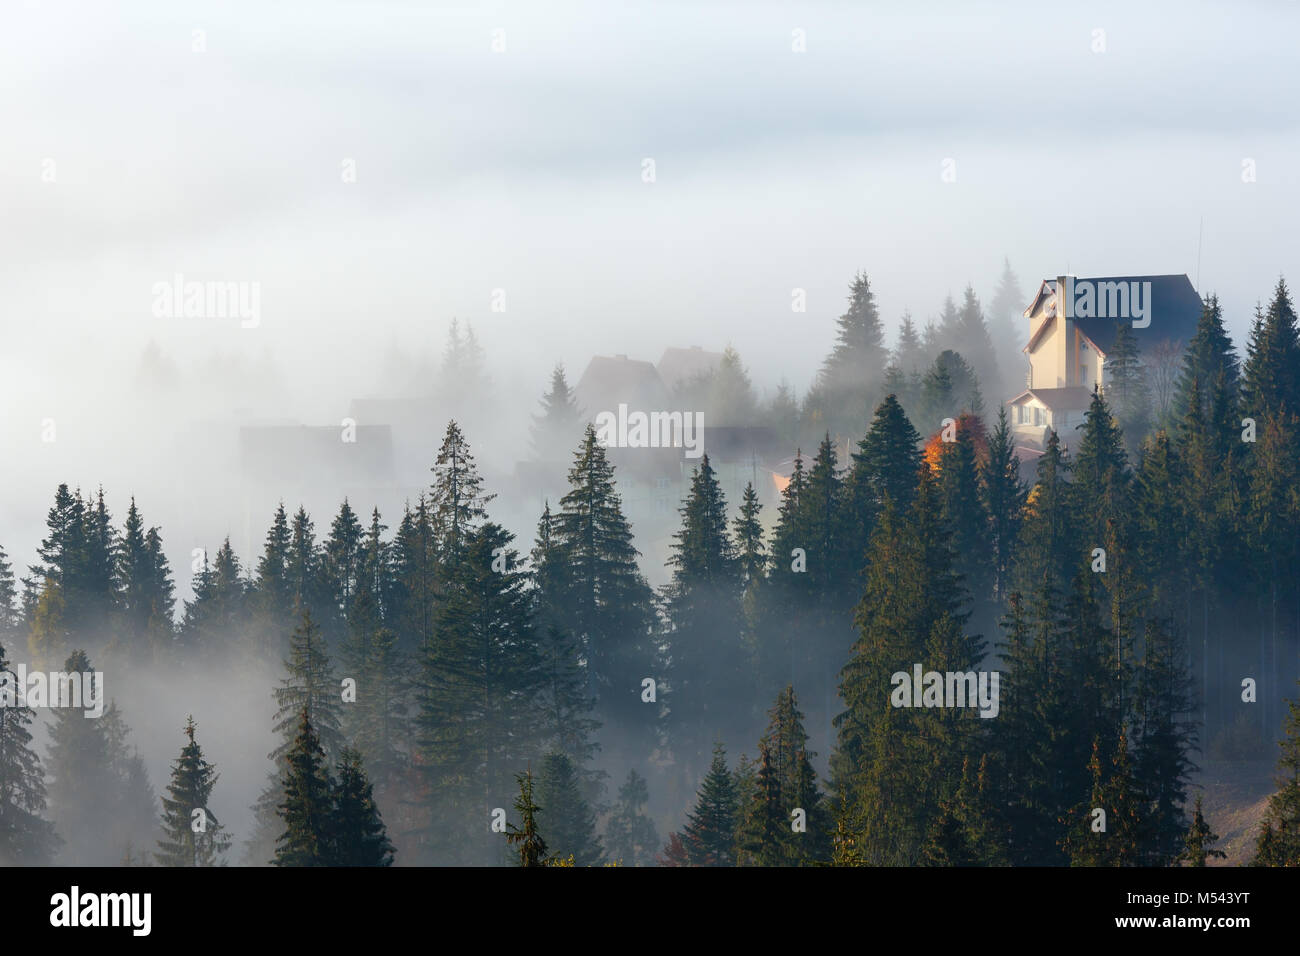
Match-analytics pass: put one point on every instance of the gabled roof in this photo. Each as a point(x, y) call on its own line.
point(1175, 310)
point(1068, 398)
point(608, 381)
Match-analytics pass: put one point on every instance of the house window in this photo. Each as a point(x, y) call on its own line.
point(1038, 416)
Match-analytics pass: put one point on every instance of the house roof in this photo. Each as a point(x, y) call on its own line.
point(1064, 399)
point(610, 380)
point(677, 365)
point(1175, 309)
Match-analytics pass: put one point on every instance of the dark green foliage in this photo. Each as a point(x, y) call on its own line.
point(1196, 843)
point(307, 802)
point(357, 833)
point(1279, 840)
point(560, 423)
point(532, 848)
point(565, 817)
point(709, 676)
point(710, 832)
point(188, 841)
point(600, 595)
point(630, 835)
point(25, 838)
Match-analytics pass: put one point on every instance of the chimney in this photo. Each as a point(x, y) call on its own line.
point(1064, 357)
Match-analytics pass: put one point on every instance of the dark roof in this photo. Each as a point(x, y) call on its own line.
point(1072, 396)
point(608, 381)
point(1175, 310)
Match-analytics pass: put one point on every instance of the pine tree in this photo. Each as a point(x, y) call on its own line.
point(309, 687)
point(703, 603)
point(415, 572)
point(192, 834)
point(569, 726)
point(885, 465)
point(910, 612)
point(974, 342)
point(1211, 366)
point(1196, 843)
point(1006, 318)
point(564, 815)
point(1127, 390)
point(909, 356)
point(376, 721)
point(857, 360)
point(710, 831)
point(560, 422)
point(272, 590)
point(962, 509)
point(1114, 792)
point(218, 617)
point(1003, 494)
point(1270, 380)
point(25, 838)
point(1279, 842)
point(457, 501)
point(763, 834)
point(358, 836)
point(479, 683)
point(602, 597)
point(532, 848)
point(630, 835)
point(341, 560)
point(1164, 735)
point(306, 808)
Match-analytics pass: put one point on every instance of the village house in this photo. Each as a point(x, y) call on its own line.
point(1072, 323)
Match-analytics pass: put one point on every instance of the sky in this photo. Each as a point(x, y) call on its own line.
point(379, 168)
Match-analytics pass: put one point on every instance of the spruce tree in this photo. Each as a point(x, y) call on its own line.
point(309, 687)
point(703, 605)
point(560, 423)
point(457, 501)
point(857, 360)
point(602, 597)
point(358, 836)
point(306, 807)
point(26, 839)
point(478, 686)
point(192, 835)
point(763, 833)
point(710, 832)
point(1003, 495)
point(1270, 380)
point(1279, 841)
point(532, 847)
point(566, 818)
point(341, 560)
point(1196, 843)
point(1127, 389)
point(630, 835)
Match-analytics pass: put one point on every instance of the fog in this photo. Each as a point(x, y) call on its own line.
point(378, 169)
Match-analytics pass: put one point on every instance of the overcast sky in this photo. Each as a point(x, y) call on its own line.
point(127, 156)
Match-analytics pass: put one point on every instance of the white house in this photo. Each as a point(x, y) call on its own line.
point(1072, 325)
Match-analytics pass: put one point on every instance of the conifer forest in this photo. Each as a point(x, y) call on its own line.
point(520, 473)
